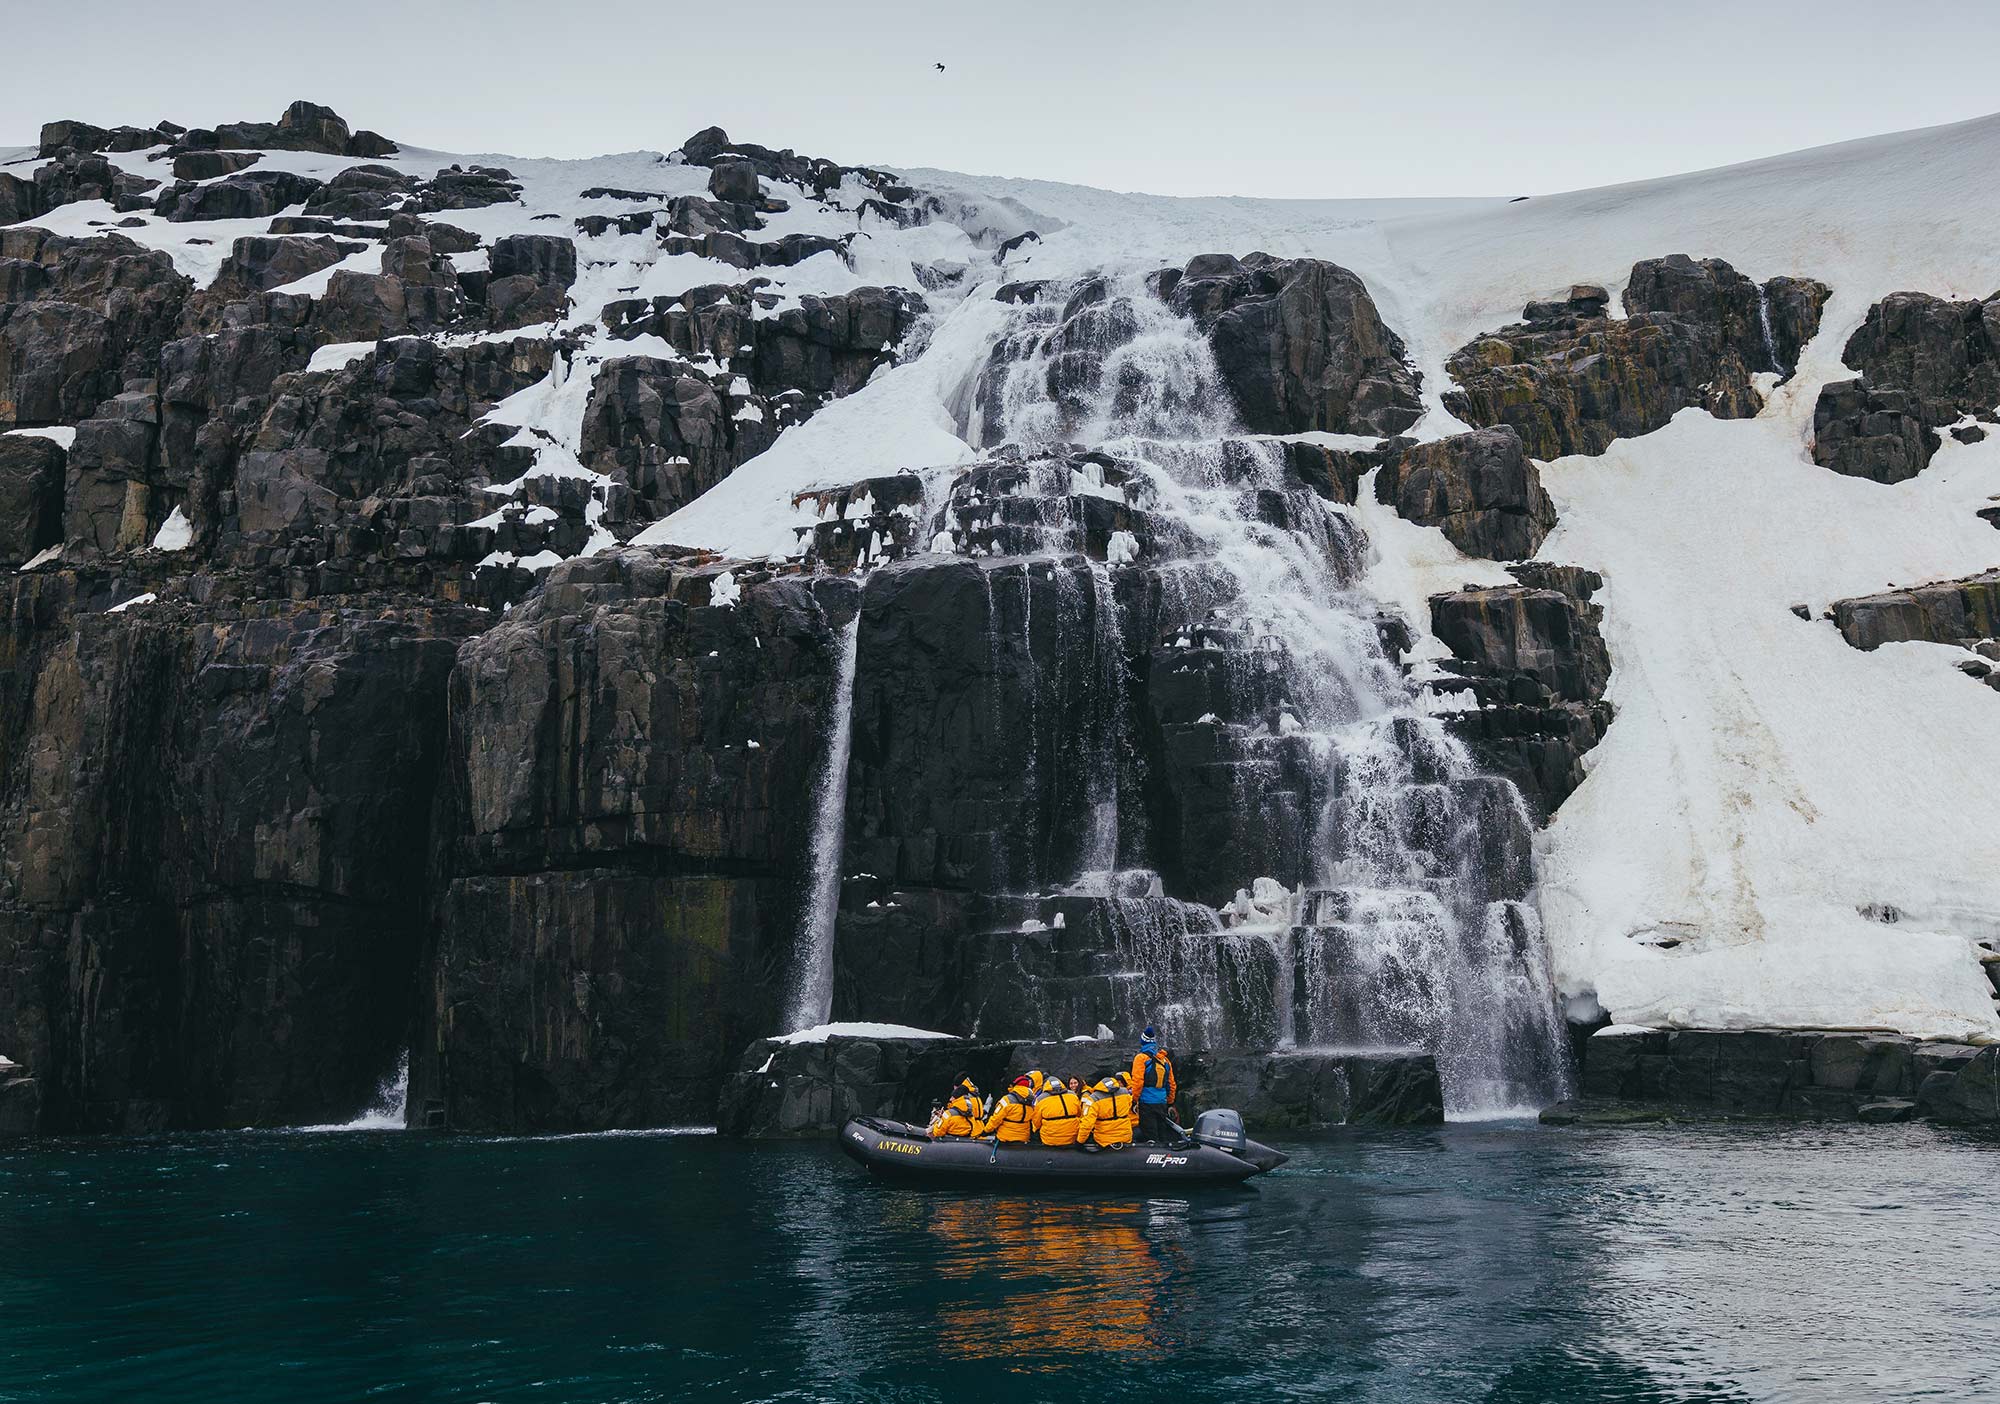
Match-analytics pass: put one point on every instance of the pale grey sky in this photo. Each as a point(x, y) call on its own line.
point(1421, 97)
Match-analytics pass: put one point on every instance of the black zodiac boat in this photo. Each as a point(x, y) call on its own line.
point(1217, 1153)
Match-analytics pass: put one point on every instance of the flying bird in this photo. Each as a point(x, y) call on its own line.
point(939, 67)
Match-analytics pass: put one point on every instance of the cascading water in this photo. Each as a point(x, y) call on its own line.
point(1770, 339)
point(1399, 932)
point(812, 996)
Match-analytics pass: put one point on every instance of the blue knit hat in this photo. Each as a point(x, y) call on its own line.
point(1151, 1035)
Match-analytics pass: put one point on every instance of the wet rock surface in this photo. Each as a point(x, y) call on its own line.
point(216, 813)
point(1481, 489)
point(1299, 343)
point(630, 772)
point(1570, 379)
point(1870, 1077)
point(1528, 677)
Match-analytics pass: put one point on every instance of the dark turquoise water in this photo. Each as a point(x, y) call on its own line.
point(1470, 1263)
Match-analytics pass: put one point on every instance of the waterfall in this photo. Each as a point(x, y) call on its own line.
point(812, 994)
point(1764, 321)
point(387, 1111)
point(1404, 934)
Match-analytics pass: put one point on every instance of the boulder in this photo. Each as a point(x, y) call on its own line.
point(1571, 380)
point(251, 194)
point(20, 200)
point(76, 175)
point(306, 126)
point(465, 188)
point(735, 182)
point(362, 192)
point(1300, 345)
point(1925, 363)
point(1534, 667)
point(259, 262)
point(527, 279)
point(1481, 489)
point(207, 165)
point(79, 136)
point(1946, 611)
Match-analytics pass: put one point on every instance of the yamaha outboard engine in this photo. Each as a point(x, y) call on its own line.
point(1222, 1129)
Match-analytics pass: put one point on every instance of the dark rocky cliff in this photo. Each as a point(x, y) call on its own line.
point(340, 717)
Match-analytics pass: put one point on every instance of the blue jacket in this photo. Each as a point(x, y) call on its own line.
point(1155, 1088)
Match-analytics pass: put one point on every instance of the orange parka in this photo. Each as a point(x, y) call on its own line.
point(961, 1115)
point(1057, 1114)
point(1012, 1119)
point(1107, 1115)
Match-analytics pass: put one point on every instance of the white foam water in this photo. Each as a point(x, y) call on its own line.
point(1409, 951)
point(812, 995)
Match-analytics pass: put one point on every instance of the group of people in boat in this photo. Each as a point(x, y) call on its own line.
point(1135, 1104)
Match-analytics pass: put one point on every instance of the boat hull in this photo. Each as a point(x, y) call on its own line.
point(895, 1151)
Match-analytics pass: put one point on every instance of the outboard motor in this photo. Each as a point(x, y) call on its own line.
point(1221, 1128)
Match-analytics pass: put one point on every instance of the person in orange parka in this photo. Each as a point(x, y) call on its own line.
point(1153, 1079)
point(962, 1114)
point(1012, 1119)
point(1107, 1114)
point(1057, 1112)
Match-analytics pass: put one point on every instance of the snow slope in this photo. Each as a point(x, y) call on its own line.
point(1763, 782)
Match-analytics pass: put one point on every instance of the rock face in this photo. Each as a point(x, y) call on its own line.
point(216, 815)
point(1926, 363)
point(631, 770)
point(1299, 343)
point(212, 796)
point(784, 1090)
point(20, 1100)
point(78, 317)
point(670, 431)
point(31, 497)
point(1571, 380)
point(1530, 677)
point(1837, 1076)
point(1481, 489)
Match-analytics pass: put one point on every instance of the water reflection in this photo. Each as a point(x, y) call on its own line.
point(1065, 1268)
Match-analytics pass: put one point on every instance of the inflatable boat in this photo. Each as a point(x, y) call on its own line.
point(1215, 1153)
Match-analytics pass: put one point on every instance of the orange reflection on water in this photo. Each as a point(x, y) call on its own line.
point(1046, 1271)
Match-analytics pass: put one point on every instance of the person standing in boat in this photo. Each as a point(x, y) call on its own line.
point(963, 1113)
point(1012, 1120)
point(1153, 1076)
